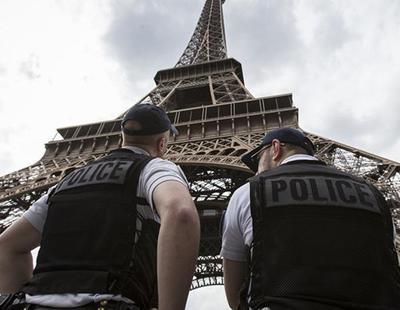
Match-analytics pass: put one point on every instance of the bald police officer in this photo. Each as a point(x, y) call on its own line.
point(302, 235)
point(109, 230)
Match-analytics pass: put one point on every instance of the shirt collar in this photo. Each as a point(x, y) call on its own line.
point(136, 149)
point(298, 157)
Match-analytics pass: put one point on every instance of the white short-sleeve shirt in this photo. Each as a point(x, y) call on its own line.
point(237, 231)
point(153, 174)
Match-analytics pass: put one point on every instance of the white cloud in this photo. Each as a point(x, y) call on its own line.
point(338, 58)
point(55, 73)
point(349, 93)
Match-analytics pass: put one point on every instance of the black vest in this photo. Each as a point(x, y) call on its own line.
point(322, 240)
point(97, 238)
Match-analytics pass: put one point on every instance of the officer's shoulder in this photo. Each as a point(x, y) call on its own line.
point(160, 160)
point(160, 163)
point(239, 198)
point(355, 178)
point(242, 190)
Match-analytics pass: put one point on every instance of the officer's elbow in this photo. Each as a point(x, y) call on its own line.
point(184, 215)
point(183, 224)
point(6, 253)
point(2, 254)
point(233, 298)
point(178, 208)
point(4, 245)
point(233, 305)
point(180, 214)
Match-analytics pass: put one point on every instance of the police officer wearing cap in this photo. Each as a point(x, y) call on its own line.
point(110, 231)
point(302, 235)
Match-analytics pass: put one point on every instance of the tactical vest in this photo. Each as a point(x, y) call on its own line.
point(97, 238)
point(322, 240)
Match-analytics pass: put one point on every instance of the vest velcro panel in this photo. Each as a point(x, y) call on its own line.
point(316, 230)
point(94, 240)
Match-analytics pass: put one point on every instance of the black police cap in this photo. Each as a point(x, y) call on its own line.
point(284, 135)
point(150, 118)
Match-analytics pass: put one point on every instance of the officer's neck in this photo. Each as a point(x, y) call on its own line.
point(276, 162)
point(283, 157)
point(148, 148)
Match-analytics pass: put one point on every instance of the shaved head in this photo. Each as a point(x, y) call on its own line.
point(155, 144)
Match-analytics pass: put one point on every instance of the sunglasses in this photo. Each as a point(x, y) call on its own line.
point(253, 160)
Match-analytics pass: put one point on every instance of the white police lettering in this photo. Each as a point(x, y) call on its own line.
point(319, 191)
point(99, 173)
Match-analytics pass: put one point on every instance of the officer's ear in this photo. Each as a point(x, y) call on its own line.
point(277, 150)
point(162, 142)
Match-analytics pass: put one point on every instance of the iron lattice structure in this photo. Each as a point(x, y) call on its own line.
point(218, 120)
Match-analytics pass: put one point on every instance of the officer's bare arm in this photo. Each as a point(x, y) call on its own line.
point(16, 265)
point(178, 243)
point(234, 277)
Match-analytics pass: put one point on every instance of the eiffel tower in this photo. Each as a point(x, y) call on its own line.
point(218, 120)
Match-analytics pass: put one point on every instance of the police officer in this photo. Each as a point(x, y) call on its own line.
point(109, 230)
point(302, 235)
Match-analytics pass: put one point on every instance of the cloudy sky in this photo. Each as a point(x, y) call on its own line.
point(68, 62)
